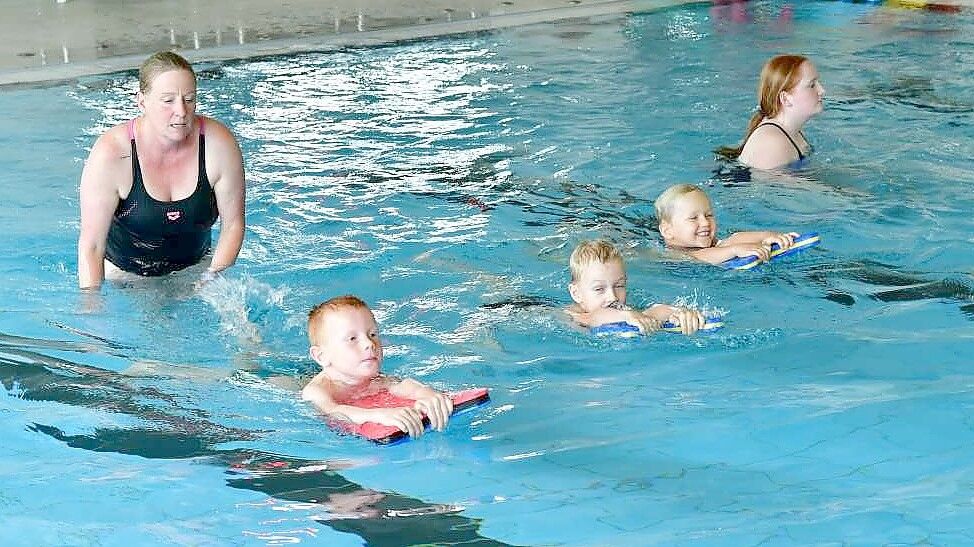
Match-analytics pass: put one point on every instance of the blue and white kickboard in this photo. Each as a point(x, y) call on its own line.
point(628, 330)
point(802, 242)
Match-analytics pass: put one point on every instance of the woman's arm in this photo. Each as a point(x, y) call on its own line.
point(99, 198)
point(224, 165)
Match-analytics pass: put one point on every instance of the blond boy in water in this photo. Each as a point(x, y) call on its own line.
point(687, 224)
point(598, 287)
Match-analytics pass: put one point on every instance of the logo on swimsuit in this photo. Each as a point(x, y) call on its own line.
point(173, 216)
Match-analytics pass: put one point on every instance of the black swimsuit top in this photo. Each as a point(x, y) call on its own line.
point(737, 173)
point(150, 237)
point(791, 140)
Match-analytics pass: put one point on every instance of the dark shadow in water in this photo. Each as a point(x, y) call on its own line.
point(548, 203)
point(730, 173)
point(523, 302)
point(586, 206)
point(379, 518)
point(899, 286)
point(912, 91)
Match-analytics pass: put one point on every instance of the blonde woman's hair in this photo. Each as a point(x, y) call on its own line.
point(781, 73)
point(159, 62)
point(588, 252)
point(667, 201)
point(316, 317)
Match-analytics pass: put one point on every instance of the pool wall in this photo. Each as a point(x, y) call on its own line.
point(57, 41)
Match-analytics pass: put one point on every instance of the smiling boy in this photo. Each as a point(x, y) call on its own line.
point(687, 224)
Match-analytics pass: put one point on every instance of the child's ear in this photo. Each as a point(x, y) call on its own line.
point(573, 290)
point(318, 355)
point(665, 229)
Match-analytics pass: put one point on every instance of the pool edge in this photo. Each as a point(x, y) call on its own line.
point(53, 74)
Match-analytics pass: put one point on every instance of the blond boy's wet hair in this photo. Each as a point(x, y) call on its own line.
point(667, 201)
point(316, 317)
point(588, 252)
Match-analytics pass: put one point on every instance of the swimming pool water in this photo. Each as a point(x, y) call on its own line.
point(446, 182)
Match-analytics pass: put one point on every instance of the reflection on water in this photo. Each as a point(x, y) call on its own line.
point(177, 432)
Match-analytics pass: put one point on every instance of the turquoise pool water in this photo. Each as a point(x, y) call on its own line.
point(446, 182)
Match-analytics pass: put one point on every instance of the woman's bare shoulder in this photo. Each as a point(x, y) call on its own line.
point(766, 148)
point(114, 143)
point(215, 129)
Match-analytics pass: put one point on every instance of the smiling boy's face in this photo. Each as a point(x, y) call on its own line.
point(692, 224)
point(348, 347)
point(600, 285)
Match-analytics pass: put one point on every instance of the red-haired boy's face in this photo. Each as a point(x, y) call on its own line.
point(348, 347)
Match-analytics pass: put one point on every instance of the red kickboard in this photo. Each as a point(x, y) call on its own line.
point(388, 434)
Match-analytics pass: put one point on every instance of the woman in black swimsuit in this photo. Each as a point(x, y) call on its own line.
point(153, 187)
point(790, 93)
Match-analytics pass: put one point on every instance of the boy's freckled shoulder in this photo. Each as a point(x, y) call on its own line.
point(316, 387)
